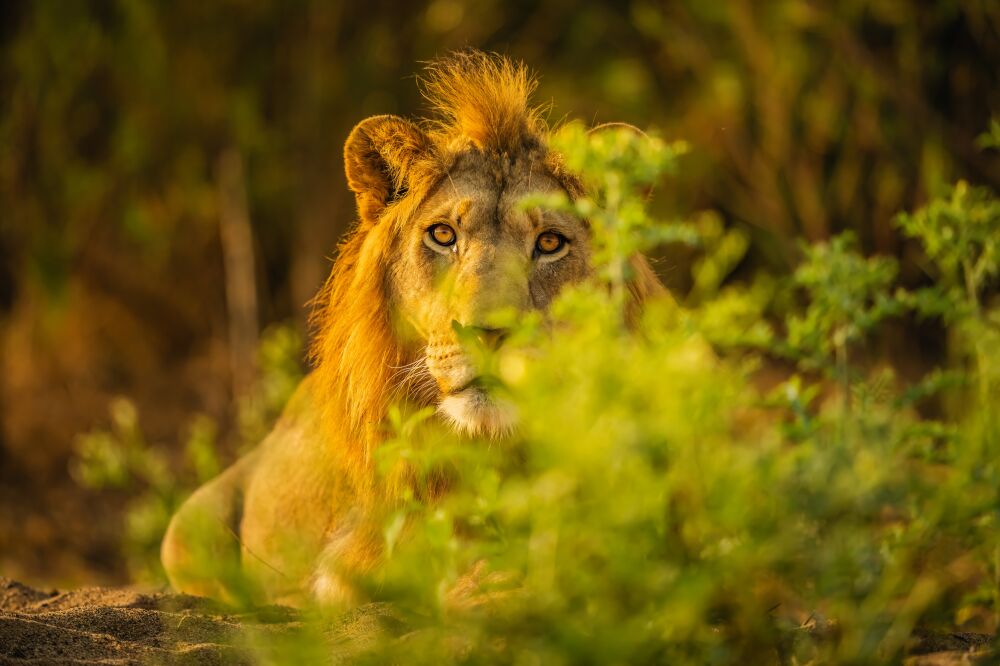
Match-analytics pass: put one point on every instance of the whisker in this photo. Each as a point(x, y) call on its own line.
point(414, 381)
point(412, 364)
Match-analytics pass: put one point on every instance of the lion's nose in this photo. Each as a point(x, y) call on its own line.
point(490, 338)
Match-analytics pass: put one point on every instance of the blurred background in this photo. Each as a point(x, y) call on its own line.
point(172, 193)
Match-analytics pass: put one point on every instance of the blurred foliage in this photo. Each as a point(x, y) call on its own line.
point(803, 119)
point(121, 459)
point(990, 139)
point(700, 519)
point(658, 508)
point(807, 118)
point(848, 296)
point(279, 355)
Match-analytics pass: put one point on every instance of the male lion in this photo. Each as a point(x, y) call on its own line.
point(439, 240)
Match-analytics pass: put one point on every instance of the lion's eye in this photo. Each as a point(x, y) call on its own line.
point(442, 234)
point(549, 242)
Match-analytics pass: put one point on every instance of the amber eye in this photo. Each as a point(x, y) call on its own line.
point(549, 243)
point(442, 234)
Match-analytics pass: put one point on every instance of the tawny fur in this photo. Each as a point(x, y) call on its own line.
point(303, 513)
point(484, 100)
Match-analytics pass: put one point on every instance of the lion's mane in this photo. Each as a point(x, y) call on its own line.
point(479, 100)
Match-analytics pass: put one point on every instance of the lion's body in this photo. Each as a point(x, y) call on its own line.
point(440, 245)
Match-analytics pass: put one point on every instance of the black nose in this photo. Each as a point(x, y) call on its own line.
point(490, 338)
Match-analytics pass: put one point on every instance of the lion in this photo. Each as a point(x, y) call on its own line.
point(440, 244)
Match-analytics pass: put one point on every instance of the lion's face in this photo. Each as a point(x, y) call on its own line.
point(467, 253)
point(442, 245)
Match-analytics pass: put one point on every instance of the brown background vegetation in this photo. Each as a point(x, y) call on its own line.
point(171, 179)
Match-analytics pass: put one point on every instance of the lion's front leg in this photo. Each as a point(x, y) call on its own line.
point(351, 552)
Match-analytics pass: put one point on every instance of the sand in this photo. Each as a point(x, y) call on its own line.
point(125, 626)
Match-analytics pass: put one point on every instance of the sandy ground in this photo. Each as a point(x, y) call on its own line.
point(121, 626)
point(124, 626)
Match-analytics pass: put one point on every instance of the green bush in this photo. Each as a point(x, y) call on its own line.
point(119, 458)
point(658, 507)
point(657, 504)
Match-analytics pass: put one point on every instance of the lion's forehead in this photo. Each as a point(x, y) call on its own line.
point(471, 197)
point(502, 176)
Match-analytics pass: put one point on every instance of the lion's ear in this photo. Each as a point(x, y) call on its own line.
point(378, 156)
point(644, 285)
point(604, 127)
point(647, 193)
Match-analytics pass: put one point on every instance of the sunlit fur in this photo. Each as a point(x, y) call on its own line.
point(305, 510)
point(484, 100)
point(471, 412)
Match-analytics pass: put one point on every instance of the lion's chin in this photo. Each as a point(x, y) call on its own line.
point(474, 412)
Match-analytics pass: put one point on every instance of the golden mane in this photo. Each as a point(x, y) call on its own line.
point(307, 503)
point(483, 103)
point(483, 98)
point(355, 350)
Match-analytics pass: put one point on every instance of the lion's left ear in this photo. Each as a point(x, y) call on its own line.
point(378, 156)
point(647, 193)
point(644, 285)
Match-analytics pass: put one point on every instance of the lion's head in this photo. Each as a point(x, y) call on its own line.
point(441, 245)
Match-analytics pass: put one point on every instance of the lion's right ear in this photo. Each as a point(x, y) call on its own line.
point(378, 156)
